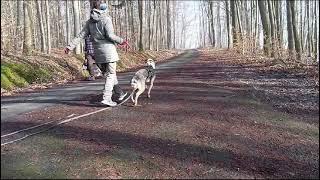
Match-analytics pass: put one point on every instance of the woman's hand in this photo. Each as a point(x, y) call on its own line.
point(124, 43)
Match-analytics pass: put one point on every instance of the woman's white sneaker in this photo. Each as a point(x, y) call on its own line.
point(109, 103)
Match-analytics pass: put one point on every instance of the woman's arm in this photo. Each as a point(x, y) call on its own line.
point(108, 27)
point(84, 33)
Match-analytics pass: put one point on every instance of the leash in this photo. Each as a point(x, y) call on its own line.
point(125, 47)
point(126, 98)
point(50, 127)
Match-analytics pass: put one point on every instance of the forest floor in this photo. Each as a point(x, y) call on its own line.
point(212, 114)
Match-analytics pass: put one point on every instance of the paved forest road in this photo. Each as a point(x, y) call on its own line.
point(15, 105)
point(200, 122)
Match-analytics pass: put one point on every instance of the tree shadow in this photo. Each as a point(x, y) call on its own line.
point(264, 165)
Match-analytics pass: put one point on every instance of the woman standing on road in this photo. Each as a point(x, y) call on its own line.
point(100, 27)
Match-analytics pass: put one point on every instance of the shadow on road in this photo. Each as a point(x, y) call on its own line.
point(264, 165)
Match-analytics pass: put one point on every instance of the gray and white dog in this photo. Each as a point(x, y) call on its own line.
point(139, 80)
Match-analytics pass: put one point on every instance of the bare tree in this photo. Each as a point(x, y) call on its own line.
point(48, 28)
point(316, 30)
point(27, 42)
point(219, 35)
point(278, 17)
point(168, 25)
point(20, 16)
point(289, 28)
point(42, 32)
point(212, 28)
point(76, 26)
point(272, 28)
point(233, 22)
point(228, 24)
point(295, 32)
point(140, 5)
point(265, 24)
point(67, 22)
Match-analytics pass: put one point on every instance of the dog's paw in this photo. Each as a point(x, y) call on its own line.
point(149, 96)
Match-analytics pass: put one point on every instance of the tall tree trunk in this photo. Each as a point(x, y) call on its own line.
point(33, 31)
point(76, 12)
point(60, 27)
point(312, 19)
point(154, 26)
point(40, 21)
point(237, 4)
point(246, 14)
point(295, 31)
point(48, 28)
point(160, 26)
point(140, 6)
point(316, 30)
point(168, 25)
point(133, 25)
point(157, 27)
point(228, 25)
point(219, 26)
point(20, 19)
point(279, 24)
point(174, 22)
point(163, 29)
point(27, 42)
point(209, 28)
point(251, 35)
point(256, 31)
point(126, 22)
point(203, 26)
point(308, 29)
point(301, 26)
point(213, 39)
point(272, 27)
point(67, 22)
point(233, 23)
point(266, 30)
point(289, 28)
point(149, 25)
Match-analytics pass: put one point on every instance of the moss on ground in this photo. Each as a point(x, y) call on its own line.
point(13, 76)
point(21, 75)
point(5, 82)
